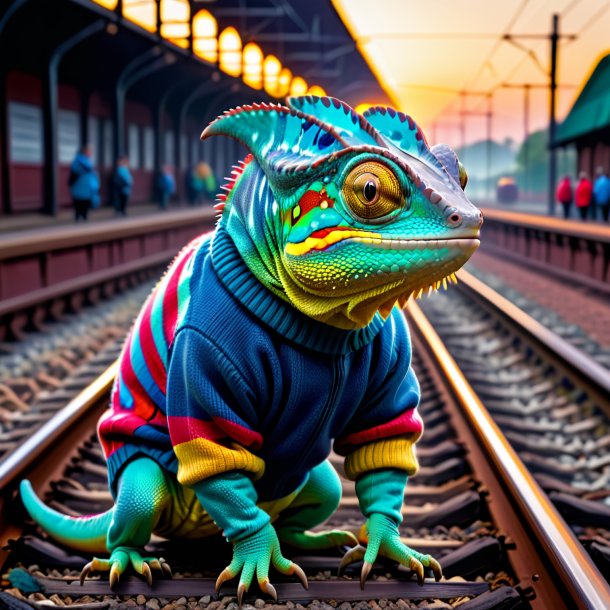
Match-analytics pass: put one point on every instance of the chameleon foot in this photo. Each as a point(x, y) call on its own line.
point(384, 540)
point(253, 556)
point(120, 558)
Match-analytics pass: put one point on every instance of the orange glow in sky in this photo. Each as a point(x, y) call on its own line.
point(425, 52)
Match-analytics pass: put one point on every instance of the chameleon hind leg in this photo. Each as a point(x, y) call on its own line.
point(314, 504)
point(143, 494)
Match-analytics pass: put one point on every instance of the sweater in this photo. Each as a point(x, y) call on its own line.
point(224, 375)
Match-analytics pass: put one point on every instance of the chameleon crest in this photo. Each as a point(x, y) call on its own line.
point(344, 214)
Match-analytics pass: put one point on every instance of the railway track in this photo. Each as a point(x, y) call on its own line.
point(576, 312)
point(551, 399)
point(474, 505)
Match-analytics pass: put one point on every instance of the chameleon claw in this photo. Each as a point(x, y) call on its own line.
point(353, 555)
point(240, 594)
point(85, 572)
point(167, 570)
point(147, 574)
point(269, 589)
point(222, 578)
point(366, 570)
point(436, 569)
point(300, 574)
point(115, 574)
point(418, 568)
point(155, 564)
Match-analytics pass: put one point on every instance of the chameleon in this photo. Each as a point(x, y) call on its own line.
point(277, 338)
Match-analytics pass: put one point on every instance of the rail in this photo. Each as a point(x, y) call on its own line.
point(568, 558)
point(593, 374)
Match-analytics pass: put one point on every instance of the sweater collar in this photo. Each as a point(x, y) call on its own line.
point(298, 328)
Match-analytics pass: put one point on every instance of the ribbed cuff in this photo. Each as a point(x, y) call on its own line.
point(200, 459)
point(398, 453)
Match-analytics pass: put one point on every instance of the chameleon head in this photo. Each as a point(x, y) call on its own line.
point(365, 213)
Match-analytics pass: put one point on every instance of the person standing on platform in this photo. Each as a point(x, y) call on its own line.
point(601, 193)
point(583, 196)
point(84, 184)
point(122, 183)
point(167, 186)
point(208, 181)
point(193, 186)
point(565, 195)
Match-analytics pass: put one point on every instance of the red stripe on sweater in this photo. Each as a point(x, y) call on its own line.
point(144, 405)
point(183, 429)
point(170, 299)
point(149, 349)
point(408, 422)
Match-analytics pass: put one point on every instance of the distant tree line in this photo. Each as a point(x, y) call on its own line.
point(532, 162)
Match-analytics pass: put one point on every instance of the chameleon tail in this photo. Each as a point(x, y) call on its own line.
point(81, 533)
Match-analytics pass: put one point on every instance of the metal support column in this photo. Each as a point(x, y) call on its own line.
point(553, 117)
point(5, 167)
point(120, 90)
point(49, 112)
point(83, 115)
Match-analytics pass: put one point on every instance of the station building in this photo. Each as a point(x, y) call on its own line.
point(587, 125)
point(143, 77)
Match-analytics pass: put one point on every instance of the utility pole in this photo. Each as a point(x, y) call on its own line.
point(552, 114)
point(554, 37)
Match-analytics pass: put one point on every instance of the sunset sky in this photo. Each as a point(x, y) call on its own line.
point(425, 51)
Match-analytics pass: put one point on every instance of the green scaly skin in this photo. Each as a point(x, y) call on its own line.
point(342, 216)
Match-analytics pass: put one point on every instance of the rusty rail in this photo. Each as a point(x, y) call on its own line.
point(551, 546)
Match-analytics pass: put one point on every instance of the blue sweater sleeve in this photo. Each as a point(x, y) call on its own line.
point(210, 411)
point(386, 425)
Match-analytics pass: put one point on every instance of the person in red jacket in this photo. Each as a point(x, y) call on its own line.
point(584, 190)
point(565, 195)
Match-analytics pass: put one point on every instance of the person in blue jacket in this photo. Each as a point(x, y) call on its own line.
point(166, 186)
point(84, 184)
point(601, 193)
point(122, 183)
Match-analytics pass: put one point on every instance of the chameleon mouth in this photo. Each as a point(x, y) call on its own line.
point(324, 239)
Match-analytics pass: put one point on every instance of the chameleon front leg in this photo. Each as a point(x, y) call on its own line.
point(230, 499)
point(380, 494)
point(314, 504)
point(143, 494)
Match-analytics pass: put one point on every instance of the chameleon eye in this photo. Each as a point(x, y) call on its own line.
point(372, 190)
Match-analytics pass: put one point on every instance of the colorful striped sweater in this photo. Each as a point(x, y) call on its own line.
point(220, 374)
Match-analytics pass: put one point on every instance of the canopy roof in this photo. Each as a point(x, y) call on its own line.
point(591, 111)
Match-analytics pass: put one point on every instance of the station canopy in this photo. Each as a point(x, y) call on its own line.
point(304, 42)
point(591, 111)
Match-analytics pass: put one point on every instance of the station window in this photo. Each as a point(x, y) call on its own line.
point(133, 135)
point(25, 128)
point(107, 143)
point(93, 138)
point(149, 149)
point(168, 148)
point(68, 135)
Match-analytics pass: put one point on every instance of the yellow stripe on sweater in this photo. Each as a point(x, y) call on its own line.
point(397, 452)
point(200, 458)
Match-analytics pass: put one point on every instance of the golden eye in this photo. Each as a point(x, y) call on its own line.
point(372, 190)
